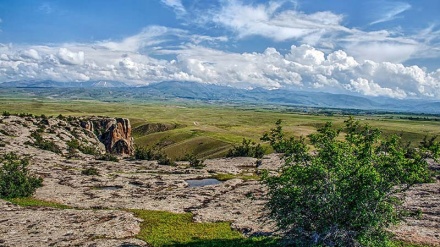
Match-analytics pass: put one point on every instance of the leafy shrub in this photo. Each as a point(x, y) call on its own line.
point(277, 139)
point(194, 162)
point(44, 144)
point(61, 117)
point(141, 153)
point(85, 149)
point(91, 171)
point(247, 149)
point(15, 180)
point(163, 159)
point(344, 194)
point(6, 114)
point(108, 157)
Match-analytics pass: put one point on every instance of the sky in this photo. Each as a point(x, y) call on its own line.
point(371, 47)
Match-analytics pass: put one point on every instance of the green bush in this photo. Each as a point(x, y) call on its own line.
point(108, 157)
point(85, 149)
point(44, 144)
point(91, 171)
point(141, 153)
point(163, 159)
point(345, 193)
point(15, 180)
point(194, 162)
point(247, 149)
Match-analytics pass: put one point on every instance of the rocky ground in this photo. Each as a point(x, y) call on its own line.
point(99, 218)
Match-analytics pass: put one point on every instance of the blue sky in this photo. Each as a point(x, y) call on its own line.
point(374, 48)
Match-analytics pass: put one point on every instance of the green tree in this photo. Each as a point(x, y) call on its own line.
point(247, 148)
point(344, 194)
point(15, 180)
point(276, 138)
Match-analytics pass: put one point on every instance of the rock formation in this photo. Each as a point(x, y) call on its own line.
point(115, 134)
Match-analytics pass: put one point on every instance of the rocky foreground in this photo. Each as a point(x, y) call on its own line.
point(98, 217)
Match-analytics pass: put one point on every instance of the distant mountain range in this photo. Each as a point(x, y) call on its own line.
point(119, 91)
point(57, 84)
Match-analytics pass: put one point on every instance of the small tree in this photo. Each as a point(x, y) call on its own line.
point(345, 193)
point(194, 162)
point(247, 148)
point(277, 140)
point(15, 180)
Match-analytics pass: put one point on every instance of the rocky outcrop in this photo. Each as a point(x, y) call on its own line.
point(41, 226)
point(115, 134)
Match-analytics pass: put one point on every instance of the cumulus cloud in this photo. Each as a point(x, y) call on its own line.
point(30, 54)
point(70, 58)
point(360, 62)
point(370, 88)
point(303, 67)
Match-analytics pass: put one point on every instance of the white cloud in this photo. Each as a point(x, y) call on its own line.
point(281, 21)
point(370, 88)
point(132, 60)
point(382, 51)
point(70, 58)
point(176, 5)
point(272, 21)
point(30, 54)
point(389, 11)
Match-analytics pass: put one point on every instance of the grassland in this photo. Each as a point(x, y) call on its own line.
point(211, 130)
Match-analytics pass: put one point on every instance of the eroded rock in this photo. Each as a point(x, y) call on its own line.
point(115, 134)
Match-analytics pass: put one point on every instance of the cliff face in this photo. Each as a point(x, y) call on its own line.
point(115, 134)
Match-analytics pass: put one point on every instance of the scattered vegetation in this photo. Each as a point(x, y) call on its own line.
point(247, 148)
point(44, 144)
point(160, 228)
point(15, 180)
point(61, 117)
point(163, 159)
point(108, 157)
point(85, 149)
point(344, 194)
point(90, 171)
point(244, 176)
point(34, 202)
point(142, 153)
point(194, 162)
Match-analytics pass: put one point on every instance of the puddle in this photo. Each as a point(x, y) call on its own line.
point(115, 187)
point(202, 182)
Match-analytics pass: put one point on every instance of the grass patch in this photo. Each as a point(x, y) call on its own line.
point(161, 228)
point(404, 244)
point(34, 202)
point(243, 176)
